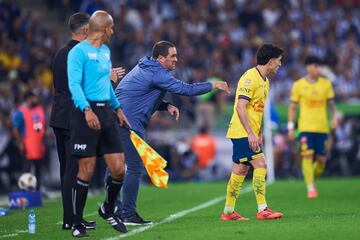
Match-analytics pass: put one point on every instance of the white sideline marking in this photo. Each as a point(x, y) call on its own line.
point(175, 216)
point(13, 234)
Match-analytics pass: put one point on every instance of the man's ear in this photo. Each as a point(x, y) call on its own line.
point(161, 59)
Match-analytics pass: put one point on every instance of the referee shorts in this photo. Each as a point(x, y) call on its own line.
point(87, 142)
point(242, 152)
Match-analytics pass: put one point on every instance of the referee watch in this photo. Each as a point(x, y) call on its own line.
point(87, 108)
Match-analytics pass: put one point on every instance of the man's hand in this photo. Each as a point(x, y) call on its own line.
point(221, 86)
point(117, 73)
point(291, 134)
point(253, 142)
point(173, 111)
point(122, 119)
point(92, 120)
point(260, 139)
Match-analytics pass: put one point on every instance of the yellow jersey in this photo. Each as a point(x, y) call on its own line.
point(253, 87)
point(312, 99)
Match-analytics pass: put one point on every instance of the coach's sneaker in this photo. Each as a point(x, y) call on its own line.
point(79, 231)
point(113, 220)
point(268, 214)
point(136, 220)
point(234, 216)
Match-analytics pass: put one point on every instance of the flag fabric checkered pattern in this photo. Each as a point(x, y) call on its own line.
point(153, 162)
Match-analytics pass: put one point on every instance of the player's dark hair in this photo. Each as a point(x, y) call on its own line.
point(78, 20)
point(161, 48)
point(267, 52)
point(312, 60)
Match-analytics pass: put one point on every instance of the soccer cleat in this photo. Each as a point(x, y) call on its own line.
point(234, 216)
point(136, 220)
point(268, 214)
point(89, 224)
point(79, 231)
point(312, 194)
point(113, 220)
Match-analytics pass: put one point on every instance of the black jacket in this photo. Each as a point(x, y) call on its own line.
point(61, 110)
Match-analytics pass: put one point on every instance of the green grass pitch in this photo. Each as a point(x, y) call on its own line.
point(334, 215)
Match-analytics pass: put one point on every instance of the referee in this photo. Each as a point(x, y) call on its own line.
point(61, 115)
point(94, 128)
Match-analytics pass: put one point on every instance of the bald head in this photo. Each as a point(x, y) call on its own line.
point(100, 20)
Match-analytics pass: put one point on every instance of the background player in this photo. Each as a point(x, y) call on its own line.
point(245, 133)
point(313, 93)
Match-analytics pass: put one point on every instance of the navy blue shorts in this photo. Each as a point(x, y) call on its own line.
point(313, 143)
point(242, 152)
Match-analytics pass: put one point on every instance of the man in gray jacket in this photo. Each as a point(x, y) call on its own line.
point(141, 93)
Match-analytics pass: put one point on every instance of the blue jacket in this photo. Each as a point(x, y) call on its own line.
point(141, 91)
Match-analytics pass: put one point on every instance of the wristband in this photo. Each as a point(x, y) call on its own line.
point(290, 125)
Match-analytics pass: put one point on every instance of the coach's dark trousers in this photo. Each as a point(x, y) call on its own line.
point(133, 174)
point(68, 171)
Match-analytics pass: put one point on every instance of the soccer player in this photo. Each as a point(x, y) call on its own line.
point(94, 128)
point(245, 133)
point(141, 93)
point(312, 93)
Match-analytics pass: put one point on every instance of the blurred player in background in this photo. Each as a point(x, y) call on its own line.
point(312, 93)
point(245, 133)
point(29, 131)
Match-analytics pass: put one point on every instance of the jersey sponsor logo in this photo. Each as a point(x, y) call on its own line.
point(258, 106)
point(313, 103)
point(80, 147)
point(92, 56)
point(245, 90)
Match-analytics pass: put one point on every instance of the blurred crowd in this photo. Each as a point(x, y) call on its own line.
point(216, 40)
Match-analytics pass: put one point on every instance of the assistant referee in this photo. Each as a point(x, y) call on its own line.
point(61, 115)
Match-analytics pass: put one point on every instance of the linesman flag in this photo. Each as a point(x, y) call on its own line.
point(153, 162)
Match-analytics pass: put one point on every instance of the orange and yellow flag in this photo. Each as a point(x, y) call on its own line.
point(153, 162)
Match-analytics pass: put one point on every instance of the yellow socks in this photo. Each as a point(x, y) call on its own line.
point(232, 191)
point(259, 185)
point(308, 173)
point(318, 169)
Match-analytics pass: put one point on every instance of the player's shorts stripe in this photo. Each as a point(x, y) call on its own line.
point(257, 155)
point(310, 151)
point(243, 159)
point(244, 97)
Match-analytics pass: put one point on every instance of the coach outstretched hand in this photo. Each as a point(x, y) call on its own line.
point(122, 119)
point(221, 86)
point(173, 111)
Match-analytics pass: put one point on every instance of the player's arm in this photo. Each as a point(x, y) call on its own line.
point(331, 103)
point(244, 119)
point(291, 119)
point(294, 99)
point(334, 116)
point(17, 123)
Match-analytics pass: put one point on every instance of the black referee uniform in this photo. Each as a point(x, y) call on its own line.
point(60, 122)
